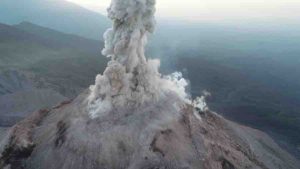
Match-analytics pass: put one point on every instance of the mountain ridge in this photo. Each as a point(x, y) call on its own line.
point(33, 66)
point(48, 13)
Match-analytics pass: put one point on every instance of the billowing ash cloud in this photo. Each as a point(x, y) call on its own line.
point(130, 79)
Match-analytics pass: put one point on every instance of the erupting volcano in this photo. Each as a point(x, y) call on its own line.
point(130, 80)
point(135, 118)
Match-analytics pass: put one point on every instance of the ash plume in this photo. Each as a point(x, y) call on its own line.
point(130, 79)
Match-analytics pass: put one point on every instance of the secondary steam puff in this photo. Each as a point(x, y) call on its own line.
point(130, 79)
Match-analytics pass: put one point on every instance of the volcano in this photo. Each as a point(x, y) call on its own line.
point(135, 118)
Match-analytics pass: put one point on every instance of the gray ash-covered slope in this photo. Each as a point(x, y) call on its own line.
point(66, 137)
point(40, 67)
point(20, 96)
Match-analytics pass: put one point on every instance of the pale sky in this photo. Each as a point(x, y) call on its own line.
point(216, 10)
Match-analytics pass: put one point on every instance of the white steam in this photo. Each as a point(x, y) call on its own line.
point(131, 80)
point(176, 83)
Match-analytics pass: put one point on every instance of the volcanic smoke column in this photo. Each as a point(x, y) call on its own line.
point(129, 79)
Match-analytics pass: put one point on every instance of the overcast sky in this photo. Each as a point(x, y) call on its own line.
point(215, 10)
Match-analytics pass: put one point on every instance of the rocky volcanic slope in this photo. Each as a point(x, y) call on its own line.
point(19, 96)
point(65, 137)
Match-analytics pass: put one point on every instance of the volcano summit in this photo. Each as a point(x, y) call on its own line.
point(135, 118)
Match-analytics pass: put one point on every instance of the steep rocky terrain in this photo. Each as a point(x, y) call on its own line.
point(65, 137)
point(260, 94)
point(20, 96)
point(40, 67)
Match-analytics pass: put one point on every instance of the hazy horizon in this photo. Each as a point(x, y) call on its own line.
point(215, 10)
